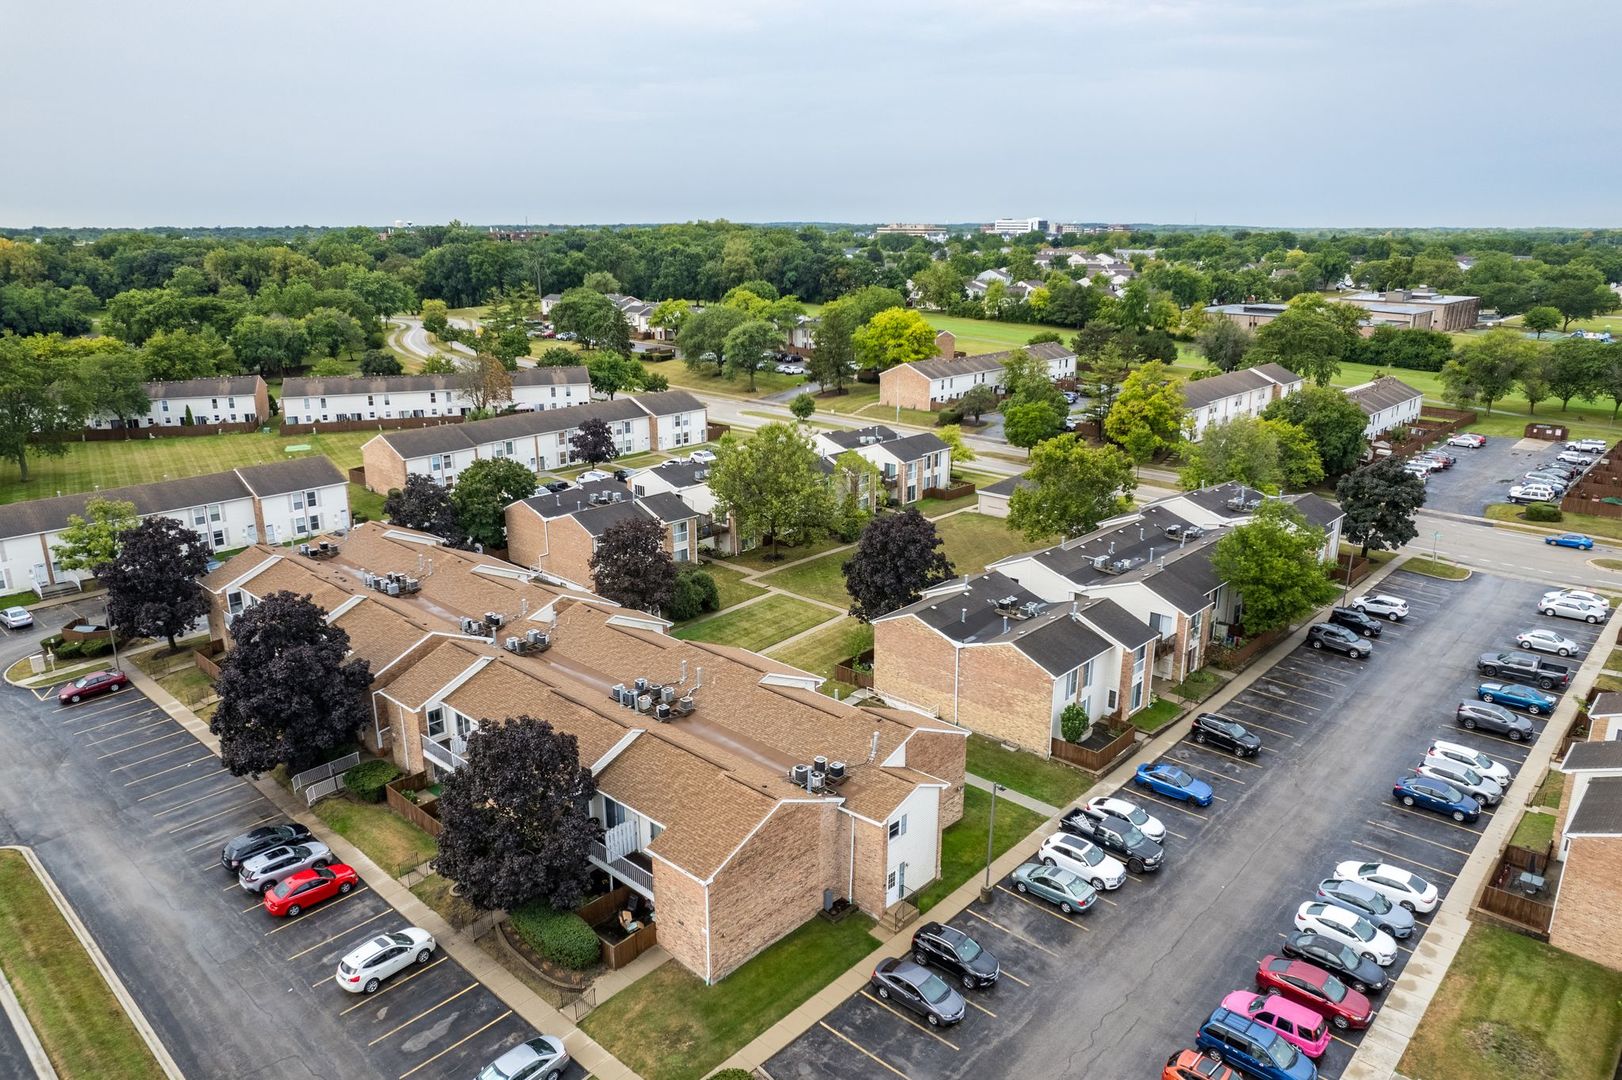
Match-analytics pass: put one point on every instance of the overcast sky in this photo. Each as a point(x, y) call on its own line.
point(1267, 112)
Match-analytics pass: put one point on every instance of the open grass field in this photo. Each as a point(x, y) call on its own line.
point(821, 579)
point(731, 584)
point(975, 336)
point(388, 839)
point(683, 377)
point(669, 1026)
point(758, 626)
point(963, 845)
point(1513, 1006)
point(973, 540)
point(83, 1029)
point(819, 652)
point(1052, 782)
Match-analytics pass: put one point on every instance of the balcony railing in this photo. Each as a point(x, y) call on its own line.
point(445, 754)
point(620, 852)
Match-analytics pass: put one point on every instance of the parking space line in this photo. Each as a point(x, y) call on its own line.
point(853, 1044)
point(474, 985)
point(1274, 680)
point(970, 1001)
point(249, 825)
point(1037, 945)
point(1039, 907)
point(1403, 858)
point(397, 982)
point(192, 802)
point(255, 907)
point(455, 1044)
point(1342, 1041)
point(1437, 818)
point(341, 933)
point(328, 906)
point(1308, 675)
point(1168, 804)
point(87, 709)
point(1502, 739)
point(211, 817)
point(921, 1027)
point(153, 757)
point(117, 720)
point(1007, 975)
point(1421, 839)
point(1179, 836)
point(1276, 697)
point(145, 742)
point(1212, 772)
point(160, 772)
point(1224, 757)
point(1269, 712)
point(177, 787)
point(1272, 731)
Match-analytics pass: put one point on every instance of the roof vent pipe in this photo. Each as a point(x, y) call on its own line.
point(683, 680)
point(963, 618)
point(699, 680)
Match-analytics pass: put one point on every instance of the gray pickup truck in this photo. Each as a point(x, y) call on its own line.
point(1520, 667)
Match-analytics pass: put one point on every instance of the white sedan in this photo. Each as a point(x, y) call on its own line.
point(1569, 607)
point(1546, 641)
point(1464, 438)
point(1147, 823)
point(703, 457)
point(1085, 859)
point(1389, 607)
point(1392, 882)
point(368, 965)
point(1469, 755)
point(1578, 594)
point(1338, 924)
point(15, 618)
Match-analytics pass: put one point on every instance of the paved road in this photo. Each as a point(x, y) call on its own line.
point(414, 339)
point(13, 1058)
point(1479, 543)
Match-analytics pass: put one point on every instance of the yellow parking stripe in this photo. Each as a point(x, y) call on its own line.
point(341, 933)
point(1037, 945)
point(1043, 907)
point(971, 1002)
point(858, 1047)
point(1016, 978)
point(474, 985)
point(397, 982)
point(307, 912)
point(455, 1044)
point(925, 1028)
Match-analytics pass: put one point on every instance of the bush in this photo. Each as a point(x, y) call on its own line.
point(696, 592)
point(1540, 511)
point(95, 647)
point(559, 936)
point(365, 781)
point(1073, 722)
point(948, 416)
point(67, 649)
point(733, 1074)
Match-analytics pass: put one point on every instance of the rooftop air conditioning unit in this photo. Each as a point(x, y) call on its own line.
point(616, 690)
point(641, 685)
point(684, 705)
point(304, 549)
point(493, 619)
point(820, 764)
point(816, 781)
point(667, 694)
point(392, 588)
point(472, 626)
point(661, 713)
point(536, 637)
point(513, 644)
point(800, 775)
point(644, 702)
point(836, 771)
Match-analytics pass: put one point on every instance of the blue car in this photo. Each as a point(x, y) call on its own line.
point(1428, 793)
point(1533, 701)
point(1168, 780)
point(1252, 1047)
point(1571, 540)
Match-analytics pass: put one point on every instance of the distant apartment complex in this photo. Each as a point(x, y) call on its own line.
point(384, 398)
point(1233, 394)
point(233, 403)
point(933, 384)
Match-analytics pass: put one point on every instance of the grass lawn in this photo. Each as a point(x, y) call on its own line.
point(684, 378)
point(1592, 524)
point(363, 503)
point(963, 845)
point(1614, 663)
point(1513, 1006)
point(188, 684)
point(1606, 564)
point(79, 1022)
point(1050, 781)
point(388, 839)
point(758, 626)
point(1156, 716)
point(670, 1026)
point(974, 540)
point(976, 336)
point(1534, 831)
point(1199, 686)
point(758, 558)
point(435, 891)
point(1551, 791)
point(819, 652)
point(821, 579)
point(731, 584)
point(937, 507)
point(1436, 568)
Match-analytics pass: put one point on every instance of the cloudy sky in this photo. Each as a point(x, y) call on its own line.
point(1266, 112)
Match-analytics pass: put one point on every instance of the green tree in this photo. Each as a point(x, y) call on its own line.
point(611, 373)
point(1577, 369)
point(702, 338)
point(439, 364)
point(1072, 487)
point(979, 400)
point(952, 436)
point(329, 332)
point(482, 494)
point(1299, 465)
point(187, 354)
point(747, 348)
point(112, 384)
point(802, 406)
point(1243, 449)
point(1330, 419)
point(378, 362)
point(895, 336)
point(601, 281)
point(1486, 368)
point(1541, 319)
point(594, 319)
point(671, 315)
point(41, 408)
point(1029, 424)
point(1536, 381)
point(1149, 411)
point(939, 286)
point(833, 355)
point(1025, 381)
point(505, 333)
point(1577, 290)
point(773, 486)
point(268, 344)
point(435, 316)
point(1380, 502)
point(1224, 343)
point(1311, 337)
point(898, 557)
point(92, 539)
point(329, 367)
point(1275, 563)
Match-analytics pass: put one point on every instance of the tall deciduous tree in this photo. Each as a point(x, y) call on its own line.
point(92, 539)
point(1577, 369)
point(187, 354)
point(979, 400)
point(485, 381)
point(515, 822)
point(425, 506)
point(482, 494)
point(1224, 343)
point(593, 442)
point(1148, 413)
point(1030, 423)
point(1577, 290)
point(1487, 367)
point(702, 338)
point(1541, 319)
point(41, 407)
point(1311, 337)
point(802, 406)
point(833, 357)
point(1243, 449)
point(1071, 488)
point(898, 556)
point(1275, 563)
point(773, 486)
point(610, 373)
point(748, 346)
point(287, 695)
point(894, 336)
point(1380, 502)
point(435, 316)
point(594, 319)
point(1330, 419)
point(632, 568)
point(268, 344)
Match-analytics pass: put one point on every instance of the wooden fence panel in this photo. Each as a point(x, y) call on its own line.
point(604, 907)
point(619, 953)
point(1094, 760)
point(1522, 910)
point(205, 664)
point(422, 819)
point(846, 672)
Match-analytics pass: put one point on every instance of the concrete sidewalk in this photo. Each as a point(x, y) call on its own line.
point(460, 944)
point(1018, 798)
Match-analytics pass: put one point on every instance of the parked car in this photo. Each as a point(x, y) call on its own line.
point(1559, 484)
point(1469, 440)
point(1546, 641)
point(239, 848)
point(1338, 924)
point(1575, 457)
point(1115, 834)
point(1483, 790)
point(1571, 607)
point(567, 335)
point(1315, 988)
point(1226, 733)
point(1339, 639)
point(1166, 779)
point(1353, 619)
point(1483, 716)
point(367, 965)
point(703, 457)
point(1302, 1028)
point(1147, 823)
point(1530, 492)
point(1359, 899)
point(1193, 1065)
point(262, 872)
point(1469, 755)
point(1571, 540)
point(540, 1058)
point(1058, 886)
point(1252, 1048)
point(309, 887)
point(950, 949)
point(1524, 668)
point(592, 476)
point(1386, 606)
point(622, 475)
point(1393, 882)
point(1419, 470)
point(1083, 858)
point(1437, 457)
point(555, 486)
point(1438, 795)
point(1581, 595)
point(15, 618)
point(791, 369)
point(1517, 697)
point(917, 988)
point(1340, 960)
point(1589, 446)
point(97, 682)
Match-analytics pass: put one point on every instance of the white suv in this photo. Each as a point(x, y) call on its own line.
point(1532, 493)
point(1338, 924)
point(1579, 594)
point(1083, 858)
point(1388, 607)
point(1567, 607)
point(1591, 446)
point(1475, 759)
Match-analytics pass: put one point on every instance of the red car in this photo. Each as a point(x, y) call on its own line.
point(1312, 986)
point(1193, 1065)
point(309, 887)
point(97, 682)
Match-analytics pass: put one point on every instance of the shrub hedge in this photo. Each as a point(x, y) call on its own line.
point(560, 936)
point(1540, 511)
point(365, 781)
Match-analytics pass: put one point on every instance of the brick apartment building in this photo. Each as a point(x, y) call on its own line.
point(1589, 841)
point(1233, 394)
point(696, 788)
point(1449, 313)
point(911, 464)
point(559, 533)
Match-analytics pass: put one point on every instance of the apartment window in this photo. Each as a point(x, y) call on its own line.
point(369, 400)
point(1071, 682)
point(1114, 700)
point(199, 516)
point(233, 602)
point(164, 404)
point(306, 403)
point(214, 512)
point(219, 539)
point(436, 463)
point(889, 882)
point(298, 500)
point(315, 524)
point(898, 827)
point(436, 721)
point(230, 402)
point(214, 403)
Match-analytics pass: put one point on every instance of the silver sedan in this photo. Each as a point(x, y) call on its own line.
point(266, 870)
point(1547, 641)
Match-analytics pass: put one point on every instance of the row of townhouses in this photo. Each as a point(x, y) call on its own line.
point(936, 383)
point(237, 401)
point(382, 398)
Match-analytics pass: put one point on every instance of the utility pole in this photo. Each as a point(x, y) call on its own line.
point(991, 835)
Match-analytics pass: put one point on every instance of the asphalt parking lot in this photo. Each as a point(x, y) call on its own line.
point(1484, 476)
point(128, 812)
point(1114, 991)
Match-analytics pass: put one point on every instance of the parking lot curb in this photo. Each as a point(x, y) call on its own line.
point(26, 1034)
point(143, 1027)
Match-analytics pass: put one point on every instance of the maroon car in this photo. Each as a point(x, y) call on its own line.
point(1312, 986)
point(97, 682)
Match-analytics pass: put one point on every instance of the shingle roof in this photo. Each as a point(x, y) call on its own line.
point(449, 437)
point(1600, 754)
point(914, 447)
point(1606, 704)
point(1115, 622)
point(1381, 394)
point(851, 438)
point(299, 474)
point(668, 402)
point(401, 384)
point(575, 499)
point(1005, 487)
point(1600, 812)
point(965, 610)
point(221, 386)
point(946, 367)
point(667, 506)
point(1202, 392)
point(679, 473)
point(1059, 643)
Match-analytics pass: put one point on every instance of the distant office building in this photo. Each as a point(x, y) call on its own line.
point(1016, 226)
point(935, 234)
point(1448, 313)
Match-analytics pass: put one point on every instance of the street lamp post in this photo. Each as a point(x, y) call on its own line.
point(991, 834)
point(1435, 538)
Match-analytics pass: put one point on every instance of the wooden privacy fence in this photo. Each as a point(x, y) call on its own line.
point(394, 792)
point(1522, 912)
point(131, 434)
point(846, 671)
point(956, 491)
point(392, 424)
point(205, 663)
point(606, 909)
point(1095, 759)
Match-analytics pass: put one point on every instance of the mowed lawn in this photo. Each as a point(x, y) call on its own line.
point(963, 845)
point(821, 579)
point(819, 652)
point(974, 540)
point(757, 626)
point(1513, 1006)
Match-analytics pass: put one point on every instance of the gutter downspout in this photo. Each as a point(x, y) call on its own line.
point(850, 886)
point(709, 966)
point(957, 658)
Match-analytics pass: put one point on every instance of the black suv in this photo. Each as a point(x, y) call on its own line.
point(1353, 619)
point(950, 949)
point(1340, 639)
point(1230, 735)
point(239, 849)
point(1119, 835)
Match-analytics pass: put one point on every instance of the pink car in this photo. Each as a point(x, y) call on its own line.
point(1305, 1029)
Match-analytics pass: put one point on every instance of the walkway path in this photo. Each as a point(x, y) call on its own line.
point(1047, 810)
